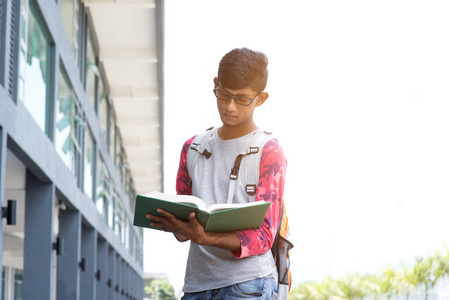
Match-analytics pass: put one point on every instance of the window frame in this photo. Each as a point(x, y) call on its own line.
point(32, 9)
point(76, 122)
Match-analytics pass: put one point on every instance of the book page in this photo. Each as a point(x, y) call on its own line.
point(185, 199)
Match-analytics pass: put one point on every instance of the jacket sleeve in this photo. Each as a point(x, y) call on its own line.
point(270, 188)
point(182, 179)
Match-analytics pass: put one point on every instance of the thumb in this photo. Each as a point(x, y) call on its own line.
point(194, 221)
point(192, 216)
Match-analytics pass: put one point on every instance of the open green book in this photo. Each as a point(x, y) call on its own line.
point(216, 218)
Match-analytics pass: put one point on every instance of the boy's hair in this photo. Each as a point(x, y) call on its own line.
point(242, 68)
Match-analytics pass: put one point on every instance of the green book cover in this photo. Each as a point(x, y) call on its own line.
point(216, 218)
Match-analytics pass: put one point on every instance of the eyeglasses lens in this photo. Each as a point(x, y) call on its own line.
point(224, 95)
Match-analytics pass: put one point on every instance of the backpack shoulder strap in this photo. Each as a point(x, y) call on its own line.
point(198, 148)
point(249, 170)
point(251, 167)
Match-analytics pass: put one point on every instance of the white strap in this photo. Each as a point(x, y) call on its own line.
point(233, 180)
point(231, 191)
point(197, 147)
point(252, 151)
point(251, 167)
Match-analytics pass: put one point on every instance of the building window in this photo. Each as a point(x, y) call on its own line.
point(119, 221)
point(104, 188)
point(68, 118)
point(112, 134)
point(18, 284)
point(132, 240)
point(92, 72)
point(139, 253)
point(70, 15)
point(131, 192)
point(111, 209)
point(125, 174)
point(128, 227)
point(89, 166)
point(118, 154)
point(103, 110)
point(34, 65)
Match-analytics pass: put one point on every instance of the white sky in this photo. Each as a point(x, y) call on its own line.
point(359, 98)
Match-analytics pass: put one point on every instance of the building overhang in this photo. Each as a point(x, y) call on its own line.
point(130, 40)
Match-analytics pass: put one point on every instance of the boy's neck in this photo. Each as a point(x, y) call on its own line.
point(233, 132)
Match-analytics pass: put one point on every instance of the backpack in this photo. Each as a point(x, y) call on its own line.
point(247, 165)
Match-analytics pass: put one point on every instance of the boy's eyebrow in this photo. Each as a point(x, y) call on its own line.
point(244, 95)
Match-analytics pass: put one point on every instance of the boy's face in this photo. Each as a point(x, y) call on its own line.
point(233, 114)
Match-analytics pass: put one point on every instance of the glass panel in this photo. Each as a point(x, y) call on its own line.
point(125, 175)
point(91, 70)
point(34, 76)
point(70, 15)
point(110, 210)
point(132, 198)
point(118, 228)
point(140, 253)
point(112, 138)
point(18, 284)
point(66, 120)
point(103, 191)
point(131, 193)
point(103, 111)
point(89, 166)
point(115, 199)
point(132, 239)
point(127, 233)
point(118, 154)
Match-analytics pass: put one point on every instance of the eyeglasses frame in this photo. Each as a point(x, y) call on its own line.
point(234, 97)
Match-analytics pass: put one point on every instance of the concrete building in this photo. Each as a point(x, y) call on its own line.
point(81, 104)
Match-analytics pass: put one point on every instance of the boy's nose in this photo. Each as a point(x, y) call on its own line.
point(231, 105)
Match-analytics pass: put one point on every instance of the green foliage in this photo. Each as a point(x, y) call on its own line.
point(425, 273)
point(160, 289)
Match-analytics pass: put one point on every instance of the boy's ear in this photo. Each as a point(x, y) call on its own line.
point(262, 98)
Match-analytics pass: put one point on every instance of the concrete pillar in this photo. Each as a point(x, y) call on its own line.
point(38, 244)
point(88, 263)
point(2, 187)
point(102, 268)
point(68, 260)
point(111, 275)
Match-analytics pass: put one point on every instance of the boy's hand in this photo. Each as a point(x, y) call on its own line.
point(183, 230)
point(194, 231)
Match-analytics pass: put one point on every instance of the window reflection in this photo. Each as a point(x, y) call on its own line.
point(112, 131)
point(18, 284)
point(119, 221)
point(34, 65)
point(103, 110)
point(92, 72)
point(67, 119)
point(89, 166)
point(70, 15)
point(103, 190)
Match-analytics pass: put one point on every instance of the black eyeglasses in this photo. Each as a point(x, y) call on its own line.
point(226, 96)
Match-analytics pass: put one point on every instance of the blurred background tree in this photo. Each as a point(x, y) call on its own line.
point(160, 289)
point(418, 280)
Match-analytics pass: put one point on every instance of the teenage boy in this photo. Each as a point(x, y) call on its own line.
point(235, 264)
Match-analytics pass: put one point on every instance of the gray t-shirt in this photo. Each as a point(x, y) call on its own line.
point(212, 267)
